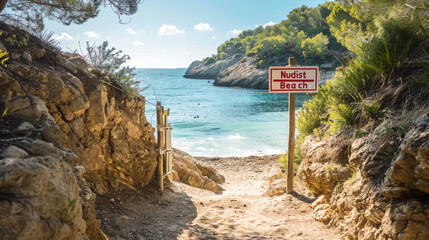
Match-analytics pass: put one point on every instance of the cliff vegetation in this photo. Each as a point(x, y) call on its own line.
point(363, 139)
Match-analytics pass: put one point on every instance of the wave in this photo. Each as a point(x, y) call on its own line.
point(235, 137)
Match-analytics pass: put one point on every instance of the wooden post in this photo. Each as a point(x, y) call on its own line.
point(159, 121)
point(291, 143)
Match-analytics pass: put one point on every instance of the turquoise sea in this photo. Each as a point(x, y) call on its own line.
point(218, 121)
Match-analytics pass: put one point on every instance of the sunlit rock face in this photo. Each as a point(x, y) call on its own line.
point(74, 107)
point(384, 194)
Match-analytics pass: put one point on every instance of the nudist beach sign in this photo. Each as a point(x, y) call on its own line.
point(291, 79)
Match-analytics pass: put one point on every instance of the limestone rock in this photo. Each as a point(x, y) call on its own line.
point(79, 62)
point(278, 187)
point(96, 114)
point(14, 152)
point(187, 171)
point(25, 126)
point(25, 110)
point(43, 200)
point(27, 57)
point(200, 70)
point(37, 53)
point(87, 198)
point(238, 71)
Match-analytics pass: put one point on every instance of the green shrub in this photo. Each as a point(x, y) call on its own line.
point(342, 102)
point(341, 115)
point(209, 60)
point(110, 61)
point(283, 161)
point(314, 111)
point(393, 47)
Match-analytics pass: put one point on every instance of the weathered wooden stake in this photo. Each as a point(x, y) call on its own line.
point(291, 143)
point(159, 122)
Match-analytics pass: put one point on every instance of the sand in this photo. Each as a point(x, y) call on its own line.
point(243, 211)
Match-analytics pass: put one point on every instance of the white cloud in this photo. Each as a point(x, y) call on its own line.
point(213, 37)
point(62, 36)
point(131, 31)
point(92, 34)
point(138, 43)
point(235, 32)
point(134, 32)
point(203, 27)
point(270, 23)
point(169, 30)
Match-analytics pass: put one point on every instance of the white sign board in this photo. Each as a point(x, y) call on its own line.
point(293, 79)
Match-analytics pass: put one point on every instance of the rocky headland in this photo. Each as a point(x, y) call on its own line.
point(240, 71)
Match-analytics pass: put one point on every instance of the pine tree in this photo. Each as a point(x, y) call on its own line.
point(30, 14)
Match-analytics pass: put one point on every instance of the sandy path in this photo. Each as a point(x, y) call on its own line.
point(241, 212)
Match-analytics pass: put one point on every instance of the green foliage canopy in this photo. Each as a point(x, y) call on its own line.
point(30, 14)
point(305, 29)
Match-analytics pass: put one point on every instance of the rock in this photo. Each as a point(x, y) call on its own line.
point(87, 197)
point(79, 62)
point(25, 126)
point(79, 105)
point(21, 107)
point(37, 53)
point(15, 56)
point(374, 214)
point(238, 71)
point(96, 114)
point(14, 152)
point(243, 73)
point(278, 187)
point(210, 173)
point(67, 64)
point(27, 57)
point(42, 148)
point(77, 127)
point(43, 200)
point(189, 173)
point(133, 130)
point(78, 170)
point(172, 228)
point(322, 213)
point(199, 70)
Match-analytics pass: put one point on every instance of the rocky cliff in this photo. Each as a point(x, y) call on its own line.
point(374, 186)
point(67, 133)
point(238, 71)
point(79, 109)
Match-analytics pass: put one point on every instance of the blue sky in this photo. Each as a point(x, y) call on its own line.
point(173, 33)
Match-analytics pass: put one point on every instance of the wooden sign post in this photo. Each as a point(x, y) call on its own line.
point(292, 79)
point(291, 141)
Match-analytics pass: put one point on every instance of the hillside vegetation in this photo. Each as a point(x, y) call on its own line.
point(304, 34)
point(390, 49)
point(363, 138)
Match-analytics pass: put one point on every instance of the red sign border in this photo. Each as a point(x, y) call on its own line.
point(315, 90)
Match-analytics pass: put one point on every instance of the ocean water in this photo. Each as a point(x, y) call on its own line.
point(218, 121)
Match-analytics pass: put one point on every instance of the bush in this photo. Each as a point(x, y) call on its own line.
point(283, 161)
point(342, 101)
point(110, 62)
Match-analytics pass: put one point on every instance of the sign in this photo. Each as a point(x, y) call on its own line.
point(293, 79)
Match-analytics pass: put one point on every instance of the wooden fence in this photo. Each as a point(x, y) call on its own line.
point(165, 157)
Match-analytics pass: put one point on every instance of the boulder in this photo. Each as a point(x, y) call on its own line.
point(188, 170)
point(42, 199)
point(14, 152)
